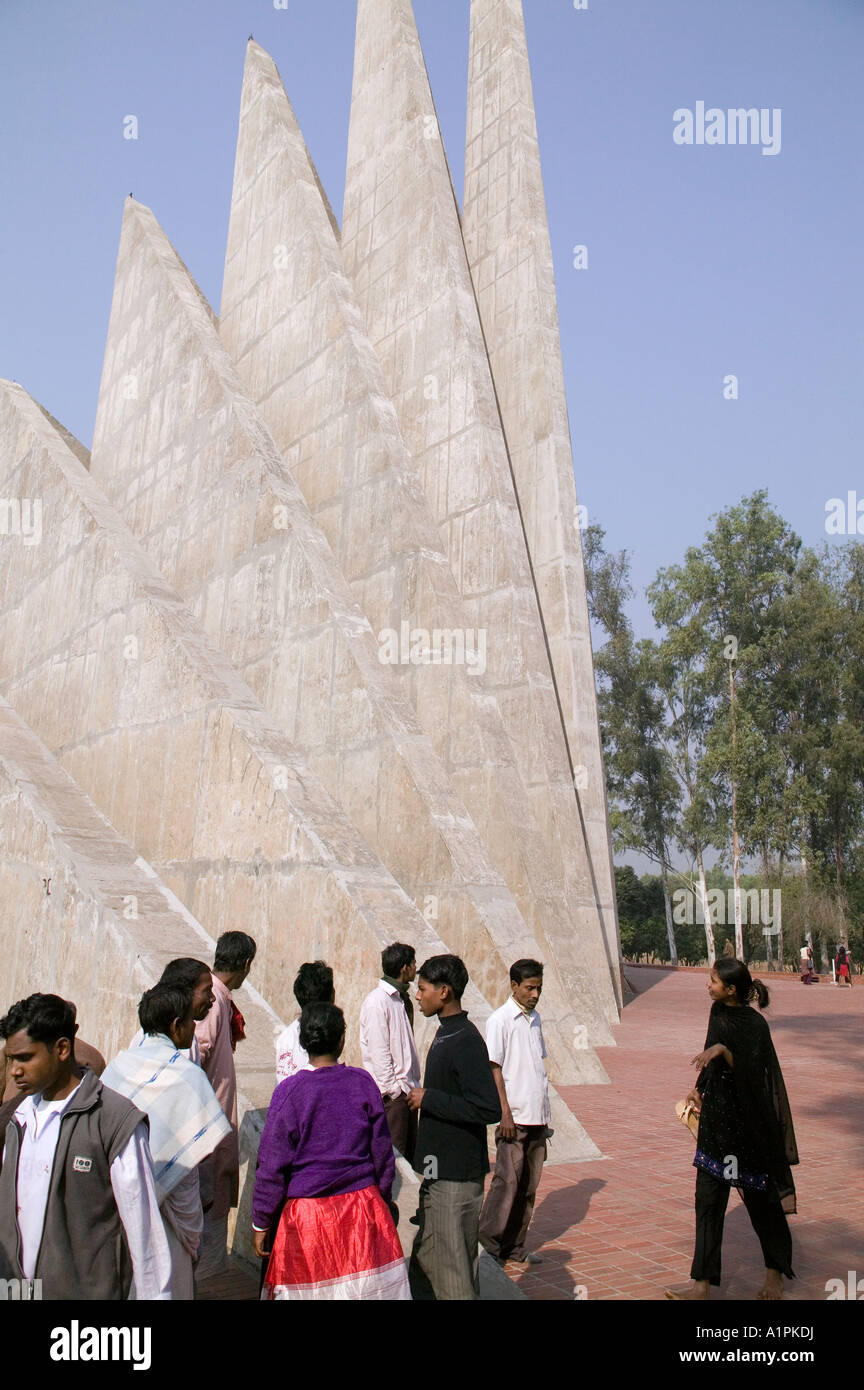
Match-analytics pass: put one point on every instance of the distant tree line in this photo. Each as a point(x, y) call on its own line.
point(737, 736)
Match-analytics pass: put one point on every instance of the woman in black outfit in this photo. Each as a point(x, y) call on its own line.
point(746, 1139)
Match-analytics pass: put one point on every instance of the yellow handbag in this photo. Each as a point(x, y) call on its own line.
point(688, 1116)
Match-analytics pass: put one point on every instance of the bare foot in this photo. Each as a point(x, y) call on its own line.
point(772, 1290)
point(695, 1292)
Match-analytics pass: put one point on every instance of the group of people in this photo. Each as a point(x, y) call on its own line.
point(117, 1181)
point(842, 966)
point(323, 1209)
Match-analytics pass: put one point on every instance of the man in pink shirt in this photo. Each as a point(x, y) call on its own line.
point(218, 1035)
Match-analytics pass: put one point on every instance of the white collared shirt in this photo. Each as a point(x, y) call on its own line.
point(515, 1041)
point(132, 1183)
point(387, 1041)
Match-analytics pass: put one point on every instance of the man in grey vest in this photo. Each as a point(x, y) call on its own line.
point(78, 1204)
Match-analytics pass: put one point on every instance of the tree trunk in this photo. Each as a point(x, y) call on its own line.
point(667, 903)
point(706, 910)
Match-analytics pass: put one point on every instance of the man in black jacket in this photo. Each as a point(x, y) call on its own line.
point(457, 1100)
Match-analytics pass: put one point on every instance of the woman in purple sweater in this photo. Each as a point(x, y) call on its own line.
point(326, 1162)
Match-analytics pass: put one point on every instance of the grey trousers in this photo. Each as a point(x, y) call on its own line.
point(444, 1260)
point(509, 1203)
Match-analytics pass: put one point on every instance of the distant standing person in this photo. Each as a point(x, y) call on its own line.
point(387, 1043)
point(78, 1204)
point(457, 1100)
point(218, 1035)
point(806, 965)
point(514, 1039)
point(745, 1139)
point(326, 1164)
point(842, 967)
point(313, 985)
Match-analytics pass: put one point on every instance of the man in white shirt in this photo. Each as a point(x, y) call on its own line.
point(514, 1039)
point(387, 1043)
point(77, 1195)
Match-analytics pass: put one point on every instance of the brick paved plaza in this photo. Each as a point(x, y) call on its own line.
point(623, 1227)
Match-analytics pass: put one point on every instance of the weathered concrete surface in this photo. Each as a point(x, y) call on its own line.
point(83, 916)
point(506, 234)
point(232, 530)
point(402, 244)
point(291, 325)
point(119, 680)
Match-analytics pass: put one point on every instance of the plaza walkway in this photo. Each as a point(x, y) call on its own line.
point(622, 1227)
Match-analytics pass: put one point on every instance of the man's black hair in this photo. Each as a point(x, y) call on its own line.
point(394, 957)
point(314, 983)
point(525, 969)
point(184, 971)
point(233, 950)
point(321, 1029)
point(161, 1005)
point(43, 1017)
point(445, 970)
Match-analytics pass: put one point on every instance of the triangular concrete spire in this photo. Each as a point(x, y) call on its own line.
point(346, 452)
point(125, 687)
point(121, 682)
point(206, 489)
point(402, 245)
point(509, 250)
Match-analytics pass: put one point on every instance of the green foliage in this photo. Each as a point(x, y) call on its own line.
point(743, 721)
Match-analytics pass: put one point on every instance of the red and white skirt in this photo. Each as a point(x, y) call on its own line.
point(343, 1247)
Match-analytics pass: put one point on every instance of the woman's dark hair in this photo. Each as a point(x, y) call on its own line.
point(322, 1029)
point(43, 1017)
point(185, 972)
point(525, 970)
point(394, 957)
point(314, 984)
point(445, 970)
point(233, 950)
point(735, 973)
point(161, 1005)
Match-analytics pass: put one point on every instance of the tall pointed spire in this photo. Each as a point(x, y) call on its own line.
point(507, 238)
point(308, 360)
point(402, 244)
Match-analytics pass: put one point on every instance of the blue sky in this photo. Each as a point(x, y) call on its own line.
point(703, 261)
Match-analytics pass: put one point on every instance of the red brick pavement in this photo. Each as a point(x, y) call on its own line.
point(622, 1226)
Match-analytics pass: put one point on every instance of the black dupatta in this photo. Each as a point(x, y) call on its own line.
point(746, 1135)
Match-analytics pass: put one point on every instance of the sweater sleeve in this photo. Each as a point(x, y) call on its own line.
point(478, 1102)
point(275, 1155)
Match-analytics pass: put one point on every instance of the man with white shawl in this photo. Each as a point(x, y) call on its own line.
point(186, 1120)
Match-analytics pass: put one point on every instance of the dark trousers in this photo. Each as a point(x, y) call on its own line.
point(766, 1217)
point(509, 1203)
point(444, 1260)
point(403, 1126)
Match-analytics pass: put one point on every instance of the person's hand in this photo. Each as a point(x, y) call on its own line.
point(415, 1097)
point(695, 1100)
point(260, 1240)
point(718, 1050)
point(507, 1127)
